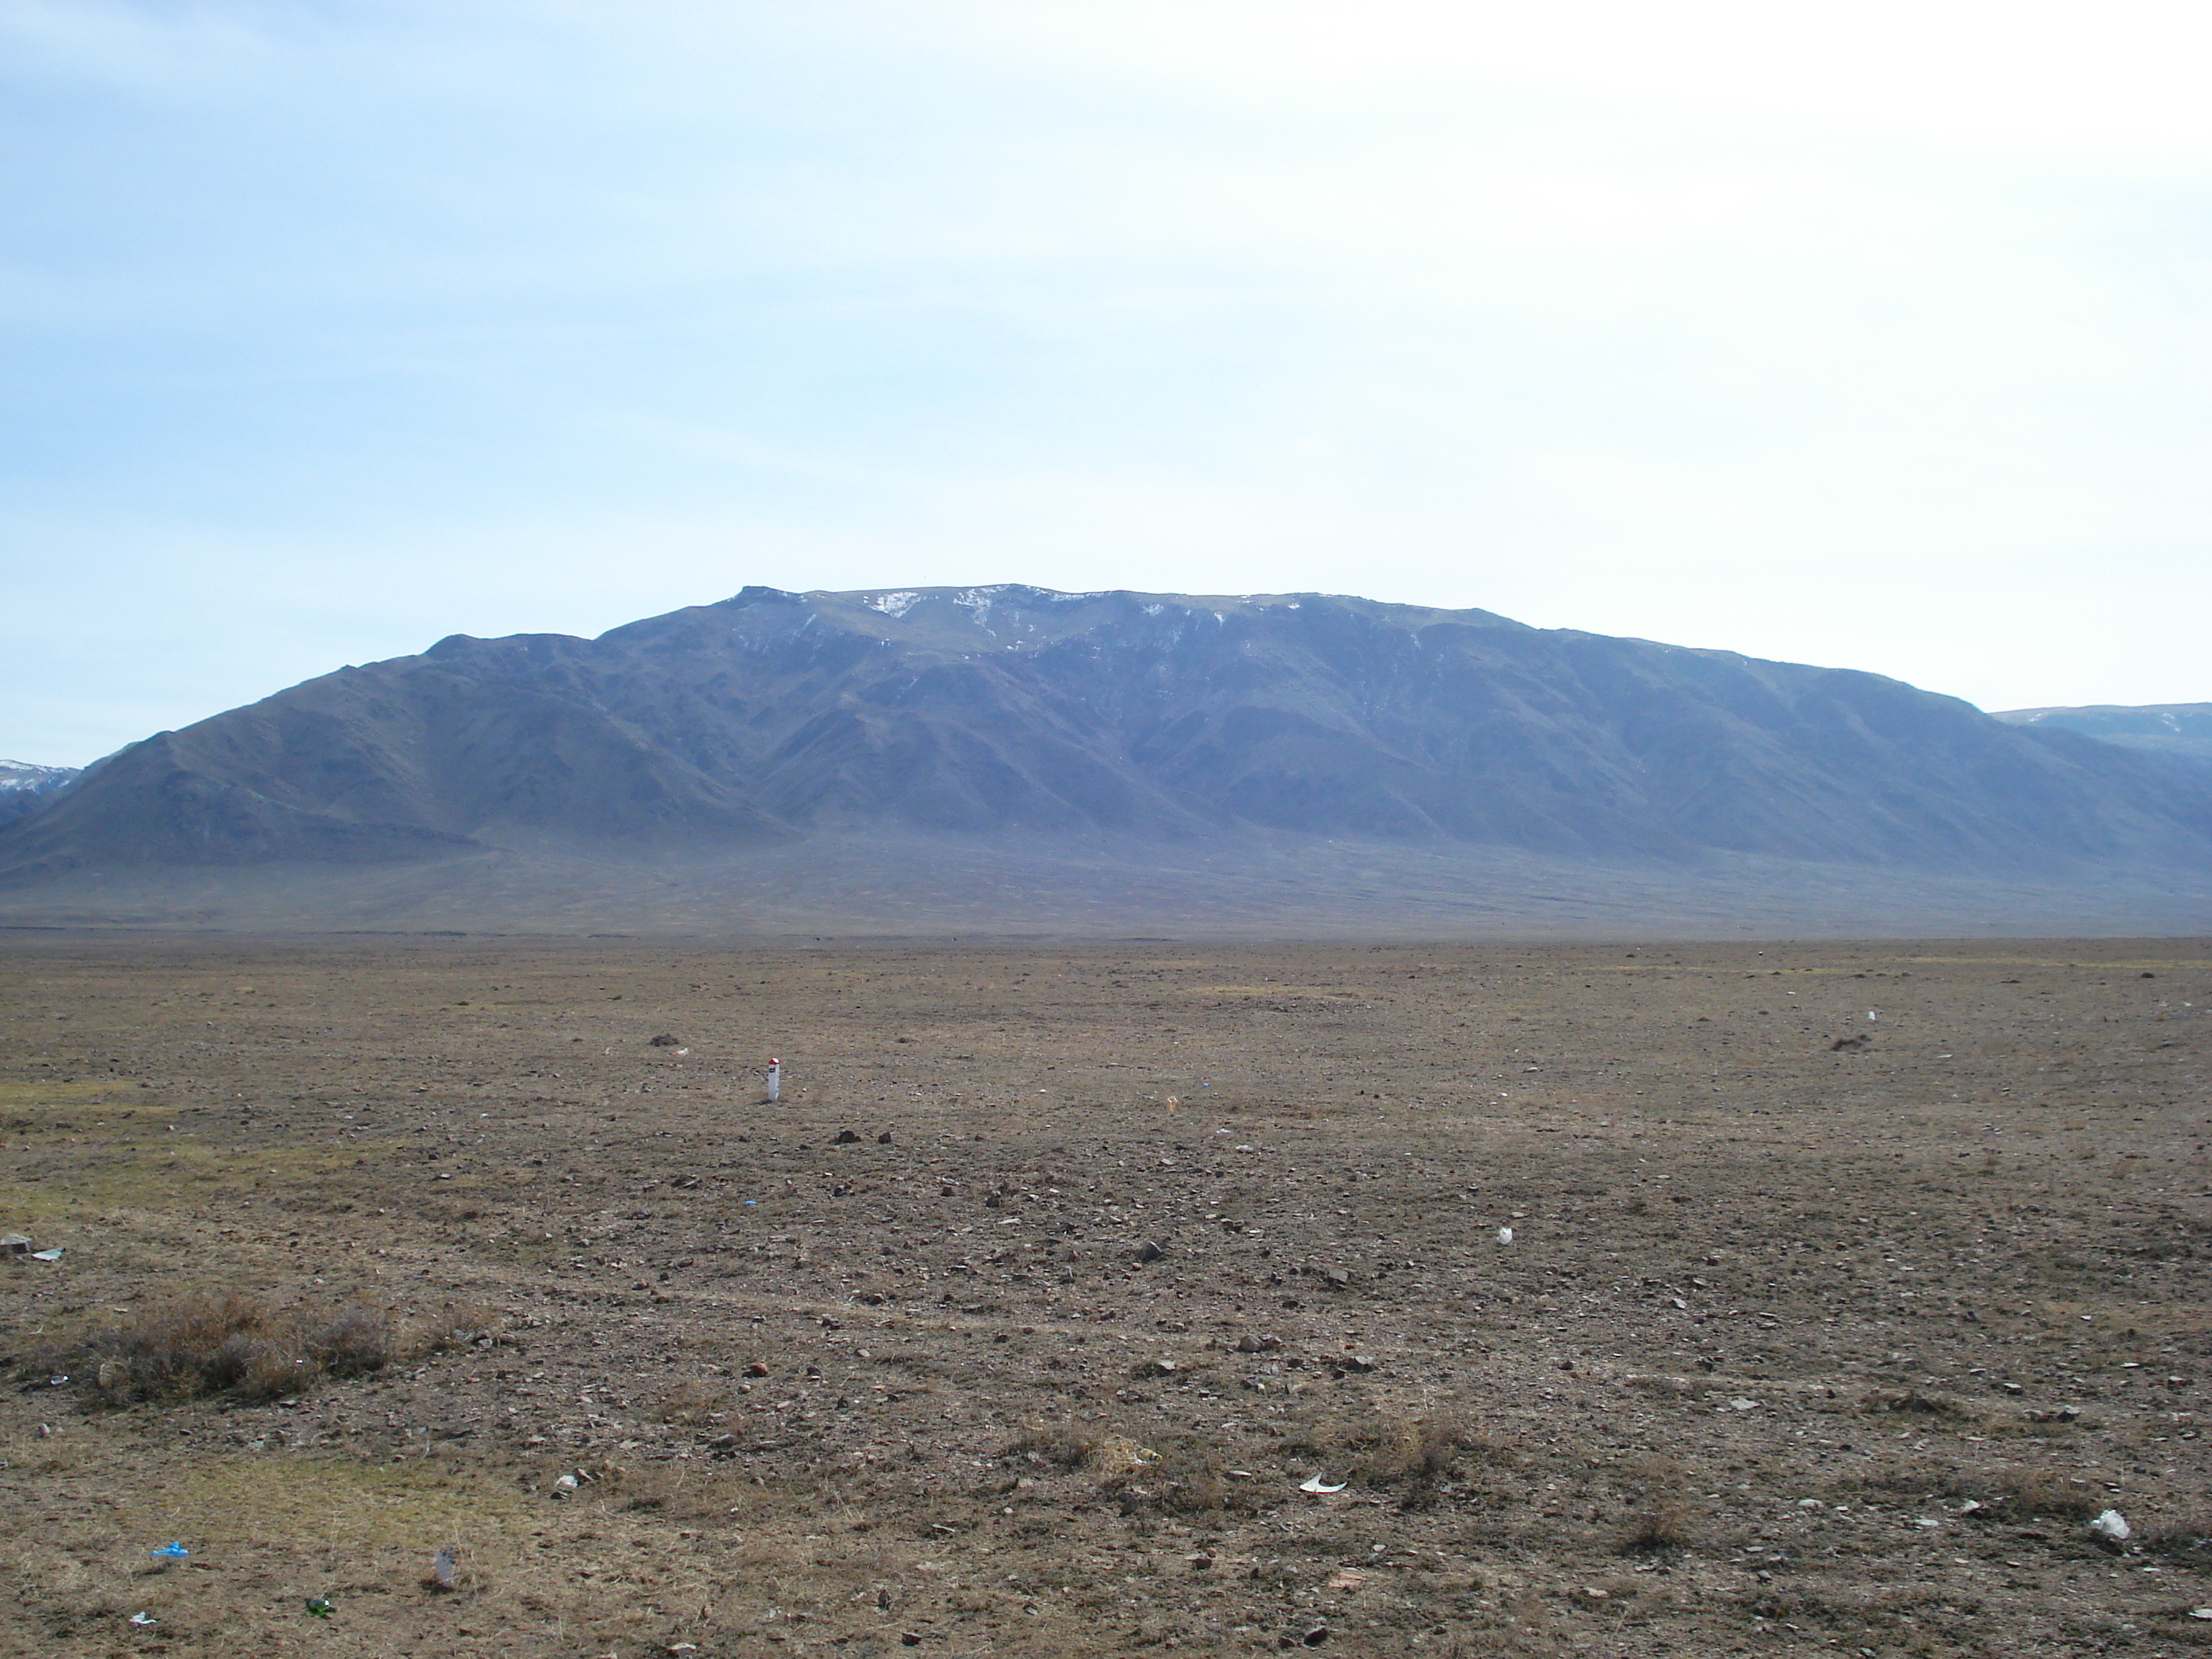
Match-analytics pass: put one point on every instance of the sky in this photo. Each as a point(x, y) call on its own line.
point(1876, 335)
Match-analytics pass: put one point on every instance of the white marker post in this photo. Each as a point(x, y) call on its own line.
point(775, 1080)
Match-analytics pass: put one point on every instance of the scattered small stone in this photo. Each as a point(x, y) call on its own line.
point(664, 1041)
point(1337, 1279)
point(15, 1244)
point(1165, 1367)
point(1150, 1250)
point(757, 1369)
point(885, 1139)
point(846, 1137)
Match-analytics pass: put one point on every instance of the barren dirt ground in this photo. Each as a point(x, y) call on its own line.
point(1793, 1347)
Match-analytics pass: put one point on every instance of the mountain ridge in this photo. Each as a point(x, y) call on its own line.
point(770, 716)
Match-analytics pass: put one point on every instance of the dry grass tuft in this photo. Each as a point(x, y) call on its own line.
point(2007, 1492)
point(685, 1490)
point(457, 1325)
point(1915, 1400)
point(1664, 1515)
point(1182, 1476)
point(212, 1344)
point(355, 1341)
point(689, 1401)
point(1062, 1445)
point(2187, 1541)
point(1412, 1453)
point(2024, 1492)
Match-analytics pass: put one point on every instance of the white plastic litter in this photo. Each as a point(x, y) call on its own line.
point(54, 1254)
point(144, 1619)
point(1505, 1235)
point(1319, 1485)
point(2113, 1525)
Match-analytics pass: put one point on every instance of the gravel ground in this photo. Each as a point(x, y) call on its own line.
point(1846, 1284)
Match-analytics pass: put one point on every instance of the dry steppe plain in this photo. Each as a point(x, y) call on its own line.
point(1794, 1348)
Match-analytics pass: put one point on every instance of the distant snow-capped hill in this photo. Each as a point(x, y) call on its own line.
point(2181, 730)
point(24, 787)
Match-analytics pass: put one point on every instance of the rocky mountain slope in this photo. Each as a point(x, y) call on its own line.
point(772, 716)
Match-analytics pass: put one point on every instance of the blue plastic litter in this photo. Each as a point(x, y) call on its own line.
point(173, 1550)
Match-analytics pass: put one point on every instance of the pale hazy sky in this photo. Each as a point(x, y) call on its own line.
point(1876, 334)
